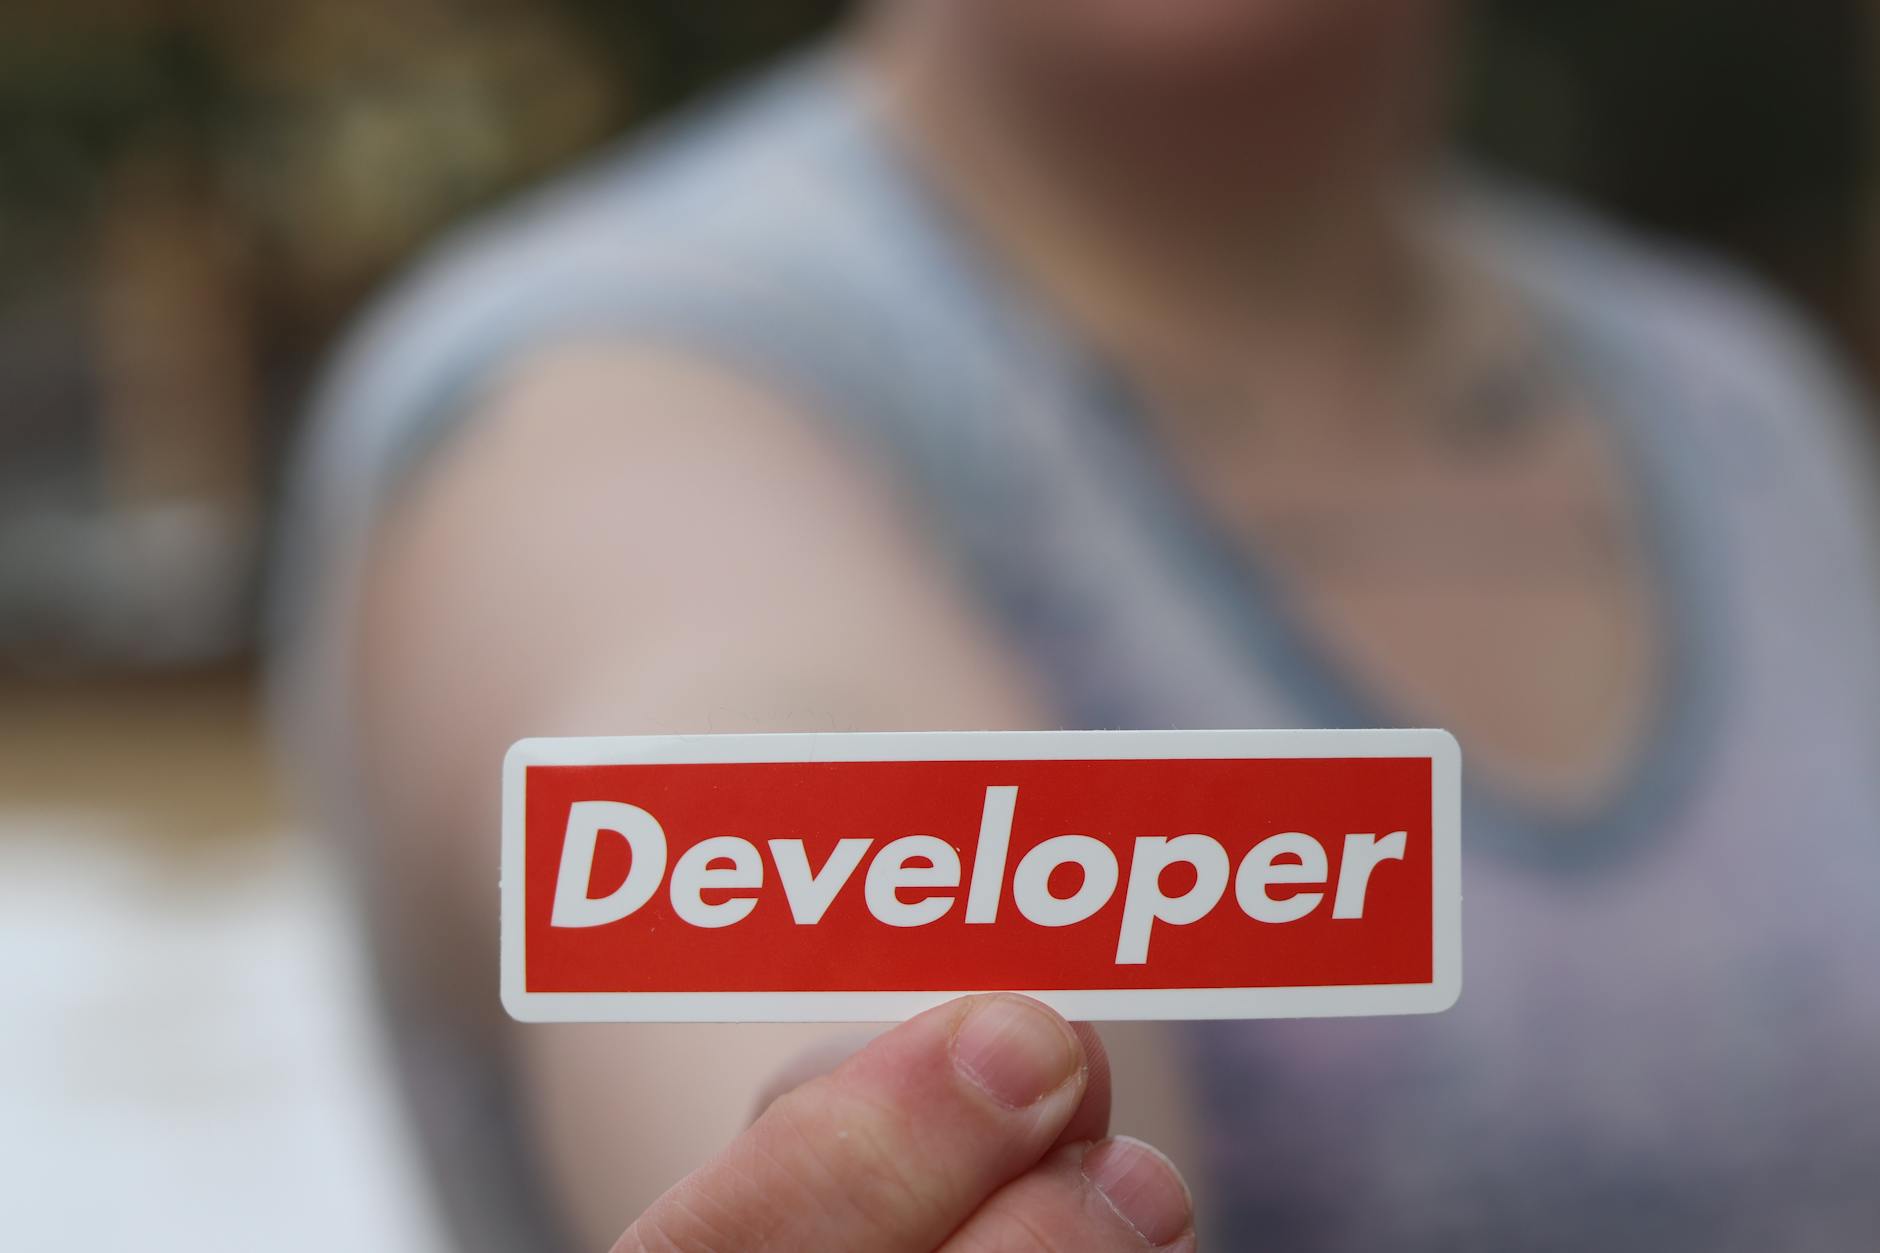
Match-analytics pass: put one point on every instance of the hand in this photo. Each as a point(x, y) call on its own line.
point(973, 1127)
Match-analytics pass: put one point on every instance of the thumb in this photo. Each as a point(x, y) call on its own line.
point(892, 1150)
point(1090, 1121)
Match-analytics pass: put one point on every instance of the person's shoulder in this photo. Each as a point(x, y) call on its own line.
point(772, 160)
point(758, 169)
point(1748, 361)
point(748, 228)
point(1678, 296)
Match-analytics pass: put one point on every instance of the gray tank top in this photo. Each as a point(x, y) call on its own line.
point(1670, 1020)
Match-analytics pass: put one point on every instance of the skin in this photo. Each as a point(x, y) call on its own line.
point(792, 588)
point(915, 1143)
point(843, 619)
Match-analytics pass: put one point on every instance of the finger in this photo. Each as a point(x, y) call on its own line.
point(1090, 1122)
point(1115, 1196)
point(893, 1149)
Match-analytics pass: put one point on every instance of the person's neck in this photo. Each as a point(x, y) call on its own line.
point(1166, 253)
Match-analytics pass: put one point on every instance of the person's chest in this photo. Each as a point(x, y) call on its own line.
point(1495, 585)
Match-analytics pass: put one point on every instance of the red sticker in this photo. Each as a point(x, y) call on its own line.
point(1112, 874)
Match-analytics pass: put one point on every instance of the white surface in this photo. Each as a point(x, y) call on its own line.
point(186, 1055)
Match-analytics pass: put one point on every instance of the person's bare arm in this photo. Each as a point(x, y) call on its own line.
point(630, 541)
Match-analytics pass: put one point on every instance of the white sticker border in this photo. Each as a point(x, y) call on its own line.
point(1096, 1005)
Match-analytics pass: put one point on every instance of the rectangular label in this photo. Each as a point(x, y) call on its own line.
point(1111, 874)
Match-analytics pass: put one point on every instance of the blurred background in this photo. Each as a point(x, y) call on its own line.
point(193, 199)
